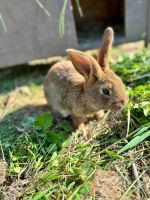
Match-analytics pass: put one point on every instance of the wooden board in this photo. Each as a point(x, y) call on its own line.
point(31, 33)
point(135, 19)
point(147, 29)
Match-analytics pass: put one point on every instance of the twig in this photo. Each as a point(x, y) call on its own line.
point(133, 184)
point(8, 102)
point(48, 61)
point(136, 175)
point(140, 77)
point(137, 178)
point(3, 156)
point(128, 125)
point(121, 174)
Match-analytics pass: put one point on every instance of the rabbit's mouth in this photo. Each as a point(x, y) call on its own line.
point(117, 106)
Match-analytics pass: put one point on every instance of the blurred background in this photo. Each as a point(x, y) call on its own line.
point(35, 29)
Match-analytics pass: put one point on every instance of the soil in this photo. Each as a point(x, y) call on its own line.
point(109, 186)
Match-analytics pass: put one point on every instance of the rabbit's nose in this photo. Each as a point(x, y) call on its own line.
point(124, 101)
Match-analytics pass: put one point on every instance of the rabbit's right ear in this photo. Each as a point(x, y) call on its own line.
point(84, 64)
point(103, 57)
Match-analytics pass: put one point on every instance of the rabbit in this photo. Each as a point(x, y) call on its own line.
point(84, 87)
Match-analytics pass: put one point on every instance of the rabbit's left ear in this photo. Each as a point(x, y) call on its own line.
point(103, 56)
point(86, 65)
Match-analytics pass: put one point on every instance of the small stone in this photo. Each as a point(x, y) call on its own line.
point(24, 90)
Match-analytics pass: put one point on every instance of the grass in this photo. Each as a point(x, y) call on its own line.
point(45, 162)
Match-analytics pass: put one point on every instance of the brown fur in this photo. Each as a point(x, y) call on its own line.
point(75, 88)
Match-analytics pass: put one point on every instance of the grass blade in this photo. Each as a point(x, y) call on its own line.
point(3, 23)
point(134, 142)
point(43, 8)
point(79, 8)
point(62, 19)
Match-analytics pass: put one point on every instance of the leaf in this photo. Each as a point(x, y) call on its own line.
point(64, 126)
point(17, 169)
point(76, 170)
point(54, 156)
point(55, 163)
point(71, 185)
point(43, 121)
point(112, 154)
point(71, 139)
point(87, 152)
point(134, 142)
point(143, 129)
point(40, 194)
point(53, 137)
point(80, 191)
point(51, 148)
point(84, 189)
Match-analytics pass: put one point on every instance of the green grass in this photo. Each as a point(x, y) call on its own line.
point(57, 165)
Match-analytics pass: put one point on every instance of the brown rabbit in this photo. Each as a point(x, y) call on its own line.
point(84, 87)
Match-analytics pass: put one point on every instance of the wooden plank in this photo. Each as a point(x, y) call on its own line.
point(147, 29)
point(135, 19)
point(31, 33)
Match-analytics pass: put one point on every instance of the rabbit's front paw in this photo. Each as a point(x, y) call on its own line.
point(100, 114)
point(82, 129)
point(78, 122)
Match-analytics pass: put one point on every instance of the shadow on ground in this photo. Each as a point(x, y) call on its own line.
point(21, 76)
point(17, 76)
point(10, 125)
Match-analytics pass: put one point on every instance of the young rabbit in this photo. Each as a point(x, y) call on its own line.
point(83, 87)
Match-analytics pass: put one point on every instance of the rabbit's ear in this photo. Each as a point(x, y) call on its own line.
point(84, 64)
point(103, 57)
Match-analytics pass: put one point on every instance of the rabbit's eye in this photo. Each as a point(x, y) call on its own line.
point(105, 91)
